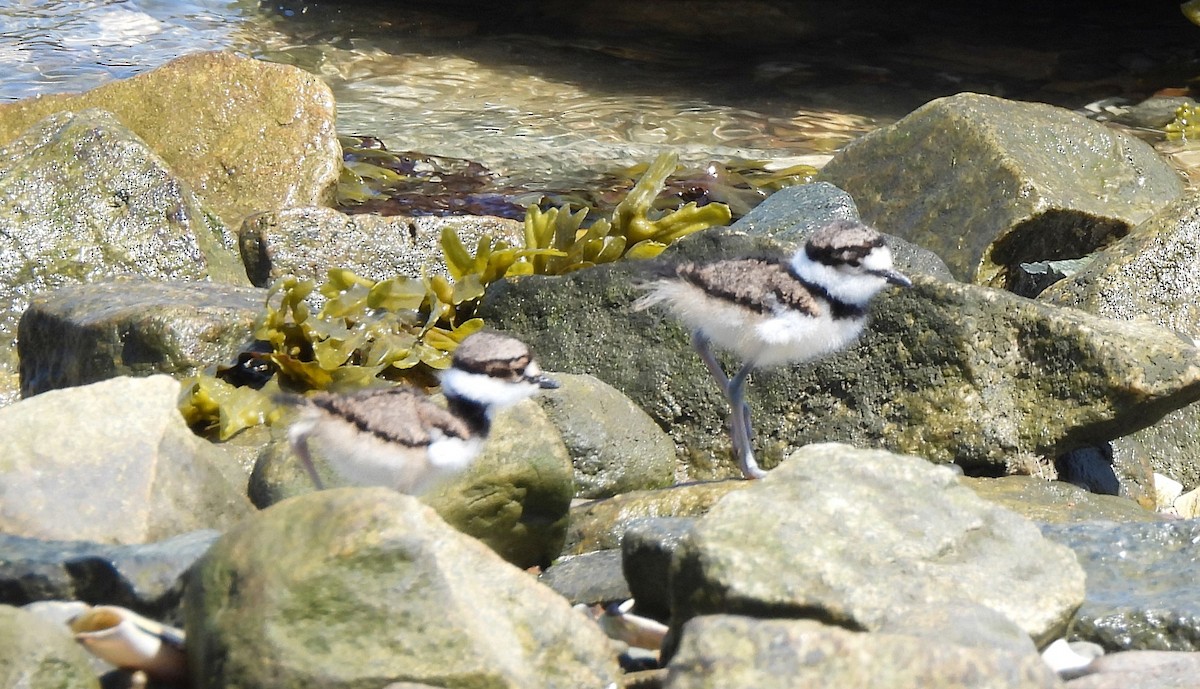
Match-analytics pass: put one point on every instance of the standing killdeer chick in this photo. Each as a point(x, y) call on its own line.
point(399, 438)
point(770, 311)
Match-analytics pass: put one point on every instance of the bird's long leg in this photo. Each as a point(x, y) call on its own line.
point(740, 423)
point(700, 342)
point(299, 443)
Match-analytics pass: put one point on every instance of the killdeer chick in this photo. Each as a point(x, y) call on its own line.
point(399, 438)
point(770, 311)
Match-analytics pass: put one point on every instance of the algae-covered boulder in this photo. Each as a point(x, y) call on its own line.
point(111, 462)
point(115, 327)
point(1153, 275)
point(85, 198)
point(947, 371)
point(615, 446)
point(247, 135)
point(307, 242)
point(357, 587)
point(989, 183)
point(855, 537)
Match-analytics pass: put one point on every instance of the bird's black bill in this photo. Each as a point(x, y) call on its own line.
point(546, 383)
point(895, 277)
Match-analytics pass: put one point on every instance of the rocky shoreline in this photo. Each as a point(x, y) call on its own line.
point(144, 220)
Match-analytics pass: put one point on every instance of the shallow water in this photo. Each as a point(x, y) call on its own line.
point(551, 94)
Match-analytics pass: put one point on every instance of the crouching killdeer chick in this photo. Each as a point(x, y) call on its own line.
point(399, 438)
point(770, 311)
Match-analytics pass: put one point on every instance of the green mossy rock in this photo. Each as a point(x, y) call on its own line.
point(247, 135)
point(989, 183)
point(357, 587)
point(947, 371)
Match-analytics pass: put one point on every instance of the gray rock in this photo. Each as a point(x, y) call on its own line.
point(515, 497)
point(84, 199)
point(601, 524)
point(36, 654)
point(1056, 502)
point(307, 242)
point(363, 586)
point(793, 213)
point(111, 462)
point(988, 183)
point(131, 327)
point(247, 134)
point(1153, 275)
point(647, 550)
point(593, 578)
point(947, 371)
point(1141, 583)
point(732, 651)
point(861, 534)
point(146, 578)
point(615, 446)
point(1141, 670)
point(961, 623)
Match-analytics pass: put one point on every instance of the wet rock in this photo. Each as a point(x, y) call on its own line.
point(37, 654)
point(947, 371)
point(85, 199)
point(1056, 502)
point(307, 242)
point(989, 183)
point(247, 135)
point(647, 549)
point(145, 578)
point(736, 651)
point(111, 462)
point(615, 446)
point(357, 586)
point(1141, 583)
point(593, 578)
point(1153, 275)
point(601, 524)
point(515, 497)
point(131, 327)
point(862, 534)
point(1141, 670)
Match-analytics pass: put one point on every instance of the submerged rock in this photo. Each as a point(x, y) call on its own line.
point(857, 537)
point(989, 183)
point(1141, 583)
point(1153, 275)
point(363, 586)
point(111, 462)
point(87, 333)
point(247, 135)
point(307, 242)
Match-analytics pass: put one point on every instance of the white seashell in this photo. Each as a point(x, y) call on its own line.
point(129, 641)
point(635, 630)
point(1067, 660)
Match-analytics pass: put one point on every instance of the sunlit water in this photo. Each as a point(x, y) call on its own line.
point(542, 106)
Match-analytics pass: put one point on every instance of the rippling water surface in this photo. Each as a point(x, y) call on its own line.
point(554, 94)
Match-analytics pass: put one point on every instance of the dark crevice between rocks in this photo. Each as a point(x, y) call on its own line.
point(1046, 244)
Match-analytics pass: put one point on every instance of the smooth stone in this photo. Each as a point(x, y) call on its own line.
point(38, 654)
point(111, 462)
point(352, 587)
point(593, 578)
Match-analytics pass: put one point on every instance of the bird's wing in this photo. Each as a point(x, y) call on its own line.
point(762, 284)
point(402, 414)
